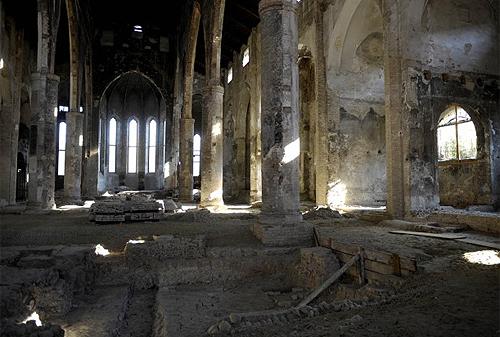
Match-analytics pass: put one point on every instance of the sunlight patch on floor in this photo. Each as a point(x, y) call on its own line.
point(485, 257)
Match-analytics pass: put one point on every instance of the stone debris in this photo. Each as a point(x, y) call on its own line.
point(321, 213)
point(165, 247)
point(45, 280)
point(171, 206)
point(129, 207)
point(243, 321)
point(10, 328)
point(192, 215)
point(315, 266)
point(224, 326)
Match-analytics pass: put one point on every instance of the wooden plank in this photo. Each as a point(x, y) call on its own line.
point(492, 245)
point(396, 264)
point(324, 236)
point(316, 236)
point(258, 314)
point(328, 282)
point(362, 269)
point(376, 267)
point(377, 256)
point(372, 276)
point(444, 236)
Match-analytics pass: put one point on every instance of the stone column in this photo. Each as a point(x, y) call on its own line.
point(9, 127)
point(186, 160)
point(321, 136)
point(280, 112)
point(10, 111)
point(255, 121)
point(495, 162)
point(280, 222)
point(213, 106)
point(211, 147)
point(91, 136)
point(187, 122)
point(73, 165)
point(74, 119)
point(43, 146)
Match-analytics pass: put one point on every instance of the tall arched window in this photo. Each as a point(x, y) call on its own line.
point(132, 146)
point(61, 153)
point(112, 146)
point(457, 138)
point(196, 155)
point(166, 165)
point(151, 146)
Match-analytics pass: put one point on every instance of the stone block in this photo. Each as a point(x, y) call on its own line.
point(165, 247)
point(315, 266)
point(300, 234)
point(170, 206)
point(109, 218)
point(45, 279)
point(36, 261)
point(107, 207)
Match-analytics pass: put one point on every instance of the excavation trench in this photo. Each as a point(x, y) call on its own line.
point(174, 286)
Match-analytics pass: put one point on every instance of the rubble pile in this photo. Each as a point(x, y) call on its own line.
point(129, 207)
point(42, 280)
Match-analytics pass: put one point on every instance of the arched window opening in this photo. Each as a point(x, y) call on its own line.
point(457, 139)
point(196, 155)
point(61, 153)
point(246, 57)
point(99, 144)
point(166, 165)
point(151, 147)
point(112, 146)
point(132, 146)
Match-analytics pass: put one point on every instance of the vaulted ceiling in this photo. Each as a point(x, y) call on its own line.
point(240, 17)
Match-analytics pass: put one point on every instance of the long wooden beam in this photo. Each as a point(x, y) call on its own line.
point(335, 276)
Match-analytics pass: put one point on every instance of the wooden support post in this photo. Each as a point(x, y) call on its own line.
point(362, 272)
point(316, 236)
point(396, 264)
point(335, 276)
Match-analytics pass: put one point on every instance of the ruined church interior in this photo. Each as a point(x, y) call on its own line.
point(264, 168)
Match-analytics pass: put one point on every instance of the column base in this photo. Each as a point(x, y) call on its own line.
point(284, 235)
point(215, 208)
point(186, 198)
point(275, 218)
point(71, 201)
point(213, 205)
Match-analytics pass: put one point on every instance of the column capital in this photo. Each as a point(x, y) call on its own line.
point(268, 5)
point(213, 89)
point(39, 76)
point(53, 77)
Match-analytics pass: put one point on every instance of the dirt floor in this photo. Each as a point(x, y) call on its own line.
point(449, 296)
point(73, 227)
